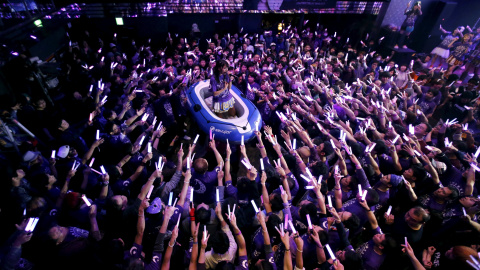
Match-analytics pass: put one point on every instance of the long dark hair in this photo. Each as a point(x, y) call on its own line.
point(218, 68)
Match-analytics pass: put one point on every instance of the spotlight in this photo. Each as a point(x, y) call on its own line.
point(38, 23)
point(119, 21)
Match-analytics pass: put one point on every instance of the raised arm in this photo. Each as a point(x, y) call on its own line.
point(141, 222)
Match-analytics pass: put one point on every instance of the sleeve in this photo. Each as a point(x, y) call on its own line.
point(362, 178)
point(213, 84)
point(243, 263)
point(342, 235)
point(230, 189)
point(201, 266)
point(11, 259)
point(232, 250)
point(269, 256)
point(170, 185)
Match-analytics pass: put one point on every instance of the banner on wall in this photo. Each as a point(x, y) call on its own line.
point(288, 4)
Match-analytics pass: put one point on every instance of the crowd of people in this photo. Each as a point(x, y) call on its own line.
point(360, 162)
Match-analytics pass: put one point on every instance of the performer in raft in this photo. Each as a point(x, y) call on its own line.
point(220, 84)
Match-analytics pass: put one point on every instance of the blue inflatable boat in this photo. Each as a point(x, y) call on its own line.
point(249, 118)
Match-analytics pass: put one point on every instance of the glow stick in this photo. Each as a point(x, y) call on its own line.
point(211, 134)
point(159, 125)
point(188, 162)
point(332, 255)
point(87, 202)
point(175, 202)
point(170, 197)
point(294, 144)
point(150, 192)
point(396, 139)
point(55, 152)
point(336, 169)
point(364, 195)
point(464, 212)
point(475, 167)
point(309, 222)
point(389, 210)
point(333, 144)
point(229, 212)
point(417, 153)
point(306, 178)
point(309, 187)
point(360, 189)
point(477, 153)
point(475, 261)
point(204, 232)
point(103, 170)
point(255, 206)
point(73, 165)
point(196, 139)
point(261, 165)
point(154, 121)
point(406, 243)
point(245, 163)
point(193, 156)
point(291, 226)
point(243, 142)
point(29, 224)
point(95, 171)
point(405, 137)
point(330, 201)
point(256, 126)
point(141, 140)
point(282, 191)
point(98, 135)
point(149, 147)
point(191, 195)
point(411, 130)
point(145, 117)
point(178, 221)
point(218, 195)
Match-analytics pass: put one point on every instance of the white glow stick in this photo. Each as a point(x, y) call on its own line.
point(332, 255)
point(98, 135)
point(91, 162)
point(333, 144)
point(294, 144)
point(389, 210)
point(149, 147)
point(417, 153)
point(306, 178)
point(261, 165)
point(178, 221)
point(73, 165)
point(141, 140)
point(150, 192)
point(364, 195)
point(145, 117)
point(464, 212)
point(55, 152)
point(196, 139)
point(330, 201)
point(360, 189)
point(396, 139)
point(25, 212)
point(218, 195)
point(245, 163)
point(170, 198)
point(291, 226)
point(309, 222)
point(191, 195)
point(103, 170)
point(85, 199)
point(309, 187)
point(243, 142)
point(229, 212)
point(475, 167)
point(188, 162)
point(29, 224)
point(406, 243)
point(477, 153)
point(175, 202)
point(411, 130)
point(254, 206)
point(256, 126)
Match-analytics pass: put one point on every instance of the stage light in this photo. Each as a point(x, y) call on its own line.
point(280, 27)
point(119, 21)
point(38, 23)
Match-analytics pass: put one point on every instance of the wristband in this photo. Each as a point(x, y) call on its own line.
point(287, 250)
point(172, 244)
point(195, 243)
point(261, 146)
point(227, 159)
point(239, 233)
point(280, 156)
